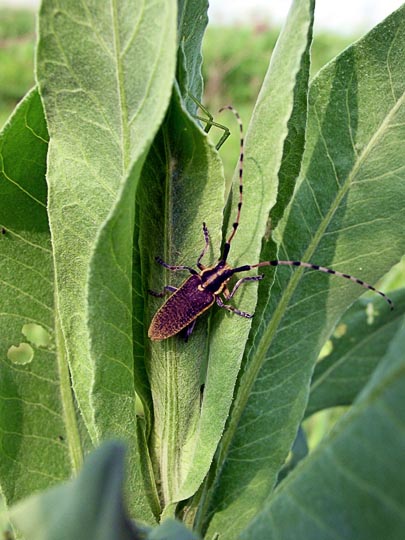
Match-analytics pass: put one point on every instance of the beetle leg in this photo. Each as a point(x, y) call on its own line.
point(188, 330)
point(228, 295)
point(207, 245)
point(175, 268)
point(233, 309)
point(166, 289)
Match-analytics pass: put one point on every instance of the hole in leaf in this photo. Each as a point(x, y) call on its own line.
point(37, 335)
point(23, 354)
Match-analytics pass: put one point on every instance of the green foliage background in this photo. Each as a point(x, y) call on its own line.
point(242, 427)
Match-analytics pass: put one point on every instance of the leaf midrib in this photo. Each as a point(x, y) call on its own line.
point(121, 90)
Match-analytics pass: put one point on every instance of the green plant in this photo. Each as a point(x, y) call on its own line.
point(103, 168)
point(16, 58)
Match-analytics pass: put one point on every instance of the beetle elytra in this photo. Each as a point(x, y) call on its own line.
point(202, 289)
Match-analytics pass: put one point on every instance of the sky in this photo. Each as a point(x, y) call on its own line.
point(343, 16)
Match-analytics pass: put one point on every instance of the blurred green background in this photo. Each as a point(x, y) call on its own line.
point(17, 39)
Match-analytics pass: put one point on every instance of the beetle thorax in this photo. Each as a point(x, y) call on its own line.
point(214, 278)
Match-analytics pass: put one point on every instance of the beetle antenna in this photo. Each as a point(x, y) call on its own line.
point(324, 269)
point(235, 224)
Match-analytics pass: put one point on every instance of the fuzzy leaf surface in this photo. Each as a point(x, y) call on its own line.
point(353, 485)
point(264, 156)
point(344, 214)
point(182, 186)
point(89, 507)
point(192, 21)
point(33, 439)
point(95, 136)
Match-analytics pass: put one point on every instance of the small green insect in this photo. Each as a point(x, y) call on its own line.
point(202, 289)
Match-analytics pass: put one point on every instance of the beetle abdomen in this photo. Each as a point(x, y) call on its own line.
point(180, 309)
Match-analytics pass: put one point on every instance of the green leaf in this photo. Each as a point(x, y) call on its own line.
point(345, 213)
point(109, 301)
point(274, 115)
point(105, 74)
point(89, 507)
point(192, 21)
point(361, 339)
point(294, 142)
point(33, 438)
point(182, 186)
point(352, 486)
point(171, 529)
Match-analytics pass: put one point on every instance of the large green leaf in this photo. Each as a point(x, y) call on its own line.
point(290, 167)
point(344, 213)
point(182, 186)
point(361, 339)
point(34, 436)
point(105, 72)
point(353, 485)
point(109, 299)
point(90, 507)
point(277, 109)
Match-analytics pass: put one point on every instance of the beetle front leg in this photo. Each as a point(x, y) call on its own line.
point(166, 289)
point(228, 295)
point(233, 309)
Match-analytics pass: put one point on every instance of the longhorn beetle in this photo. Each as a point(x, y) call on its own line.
point(199, 292)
